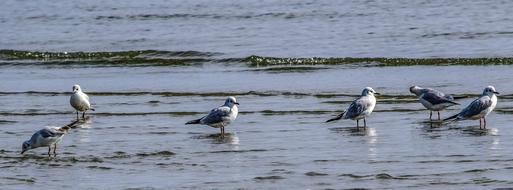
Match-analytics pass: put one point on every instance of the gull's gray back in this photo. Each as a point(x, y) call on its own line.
point(357, 108)
point(435, 97)
point(476, 107)
point(217, 115)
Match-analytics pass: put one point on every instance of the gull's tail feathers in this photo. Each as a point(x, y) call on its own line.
point(336, 118)
point(452, 118)
point(196, 121)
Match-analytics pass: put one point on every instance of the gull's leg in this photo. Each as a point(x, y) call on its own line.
point(83, 115)
point(55, 150)
point(484, 122)
point(49, 151)
point(357, 124)
point(364, 124)
point(222, 132)
point(77, 115)
point(438, 115)
point(430, 115)
point(480, 123)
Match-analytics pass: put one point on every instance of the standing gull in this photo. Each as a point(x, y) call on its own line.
point(48, 136)
point(220, 117)
point(433, 100)
point(359, 108)
point(80, 101)
point(479, 108)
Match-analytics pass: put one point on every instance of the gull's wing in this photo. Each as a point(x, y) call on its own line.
point(46, 133)
point(435, 97)
point(217, 115)
point(357, 107)
point(476, 107)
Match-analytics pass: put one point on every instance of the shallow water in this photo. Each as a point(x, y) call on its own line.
point(151, 67)
point(138, 137)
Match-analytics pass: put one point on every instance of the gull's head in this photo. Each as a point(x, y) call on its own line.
point(26, 146)
point(415, 90)
point(231, 101)
point(76, 88)
point(369, 91)
point(489, 90)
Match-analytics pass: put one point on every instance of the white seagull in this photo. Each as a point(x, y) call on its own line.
point(360, 108)
point(80, 101)
point(220, 117)
point(48, 136)
point(433, 100)
point(479, 108)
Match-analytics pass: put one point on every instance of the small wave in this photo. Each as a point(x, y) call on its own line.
point(312, 173)
point(191, 58)
point(258, 61)
point(273, 177)
point(120, 58)
point(216, 16)
point(164, 153)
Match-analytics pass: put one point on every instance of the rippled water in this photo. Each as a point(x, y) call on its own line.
point(151, 67)
point(288, 28)
point(138, 137)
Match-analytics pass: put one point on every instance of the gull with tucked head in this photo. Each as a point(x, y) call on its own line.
point(359, 108)
point(80, 101)
point(220, 117)
point(433, 100)
point(479, 108)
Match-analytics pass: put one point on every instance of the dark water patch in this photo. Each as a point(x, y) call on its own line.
point(99, 167)
point(467, 35)
point(325, 160)
point(119, 155)
point(6, 121)
point(226, 16)
point(354, 176)
point(312, 173)
point(164, 153)
point(257, 61)
point(24, 180)
point(238, 151)
point(217, 137)
point(273, 177)
point(478, 170)
point(485, 180)
point(387, 176)
point(162, 133)
point(81, 159)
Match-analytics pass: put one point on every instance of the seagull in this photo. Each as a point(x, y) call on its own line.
point(80, 101)
point(359, 108)
point(48, 136)
point(433, 100)
point(220, 117)
point(479, 108)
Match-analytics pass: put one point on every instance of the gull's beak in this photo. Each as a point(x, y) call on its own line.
point(496, 92)
point(377, 93)
point(236, 103)
point(23, 151)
